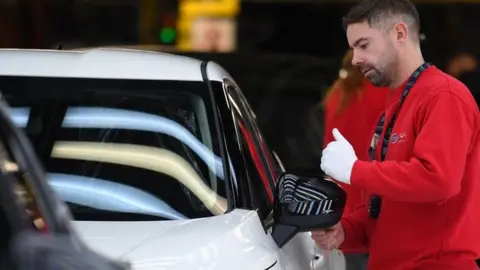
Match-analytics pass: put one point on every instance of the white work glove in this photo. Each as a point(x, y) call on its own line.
point(338, 158)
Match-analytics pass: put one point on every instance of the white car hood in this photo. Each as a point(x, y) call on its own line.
point(232, 241)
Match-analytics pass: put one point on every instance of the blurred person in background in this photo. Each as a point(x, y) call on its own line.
point(423, 177)
point(353, 105)
point(464, 66)
point(460, 63)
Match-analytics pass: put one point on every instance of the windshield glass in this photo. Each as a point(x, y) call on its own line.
point(123, 150)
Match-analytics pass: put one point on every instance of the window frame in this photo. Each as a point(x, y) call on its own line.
point(247, 116)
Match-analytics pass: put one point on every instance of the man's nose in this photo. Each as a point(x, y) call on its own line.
point(356, 59)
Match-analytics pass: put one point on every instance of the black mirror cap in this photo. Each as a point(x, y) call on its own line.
point(304, 202)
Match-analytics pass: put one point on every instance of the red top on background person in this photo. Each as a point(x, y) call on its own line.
point(353, 105)
point(429, 182)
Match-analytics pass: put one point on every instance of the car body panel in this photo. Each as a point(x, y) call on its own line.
point(99, 64)
point(217, 73)
point(234, 241)
point(107, 63)
point(206, 243)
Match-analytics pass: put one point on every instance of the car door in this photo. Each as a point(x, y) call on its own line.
point(300, 251)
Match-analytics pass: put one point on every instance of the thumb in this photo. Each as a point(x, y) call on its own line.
point(337, 135)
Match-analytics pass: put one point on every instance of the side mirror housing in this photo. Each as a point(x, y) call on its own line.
point(304, 202)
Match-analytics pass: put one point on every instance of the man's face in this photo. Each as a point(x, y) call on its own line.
point(374, 53)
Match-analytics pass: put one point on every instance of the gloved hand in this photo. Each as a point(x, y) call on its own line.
point(338, 158)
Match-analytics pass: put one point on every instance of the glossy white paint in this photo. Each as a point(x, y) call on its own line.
point(217, 73)
point(234, 241)
point(109, 63)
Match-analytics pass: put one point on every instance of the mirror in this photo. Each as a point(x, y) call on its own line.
point(31, 251)
point(304, 202)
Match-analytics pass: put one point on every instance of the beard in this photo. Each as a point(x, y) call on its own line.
point(377, 78)
point(381, 75)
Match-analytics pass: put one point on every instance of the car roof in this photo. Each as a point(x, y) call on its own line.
point(105, 63)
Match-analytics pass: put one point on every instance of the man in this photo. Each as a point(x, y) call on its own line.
point(424, 179)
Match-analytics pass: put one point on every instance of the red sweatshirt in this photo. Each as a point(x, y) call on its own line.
point(430, 182)
point(356, 122)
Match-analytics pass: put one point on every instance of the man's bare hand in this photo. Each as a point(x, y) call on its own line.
point(330, 238)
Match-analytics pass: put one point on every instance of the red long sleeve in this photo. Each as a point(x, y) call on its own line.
point(429, 183)
point(435, 170)
point(354, 226)
point(356, 123)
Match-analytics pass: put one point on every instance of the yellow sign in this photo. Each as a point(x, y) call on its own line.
point(190, 11)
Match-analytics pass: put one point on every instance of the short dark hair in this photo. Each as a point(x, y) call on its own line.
point(382, 12)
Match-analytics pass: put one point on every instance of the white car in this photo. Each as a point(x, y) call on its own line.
point(161, 162)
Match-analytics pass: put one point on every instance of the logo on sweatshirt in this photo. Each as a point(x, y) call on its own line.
point(396, 138)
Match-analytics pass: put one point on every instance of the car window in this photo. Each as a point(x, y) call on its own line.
point(254, 142)
point(125, 150)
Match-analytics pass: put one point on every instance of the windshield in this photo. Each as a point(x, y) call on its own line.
point(123, 150)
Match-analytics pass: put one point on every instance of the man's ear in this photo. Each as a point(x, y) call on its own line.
point(400, 32)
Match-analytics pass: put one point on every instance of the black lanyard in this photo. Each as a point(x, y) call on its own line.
point(374, 207)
